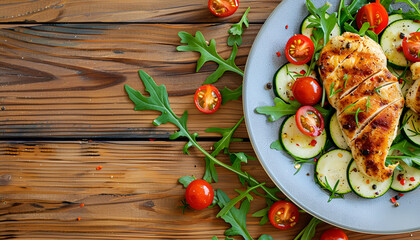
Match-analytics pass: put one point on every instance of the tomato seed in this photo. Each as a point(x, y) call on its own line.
point(412, 179)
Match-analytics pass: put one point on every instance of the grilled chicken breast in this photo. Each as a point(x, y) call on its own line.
point(413, 94)
point(367, 98)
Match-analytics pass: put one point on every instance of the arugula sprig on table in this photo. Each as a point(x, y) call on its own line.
point(235, 32)
point(208, 53)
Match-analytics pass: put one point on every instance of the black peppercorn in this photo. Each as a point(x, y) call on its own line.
point(402, 35)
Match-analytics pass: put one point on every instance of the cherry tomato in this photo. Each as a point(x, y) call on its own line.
point(223, 8)
point(299, 49)
point(199, 194)
point(207, 99)
point(283, 214)
point(334, 234)
point(307, 91)
point(411, 47)
point(375, 14)
point(309, 121)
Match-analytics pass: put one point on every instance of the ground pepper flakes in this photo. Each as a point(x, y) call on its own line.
point(79, 218)
point(82, 205)
point(393, 200)
point(287, 27)
point(98, 168)
point(278, 54)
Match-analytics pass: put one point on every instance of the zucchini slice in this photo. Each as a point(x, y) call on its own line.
point(411, 127)
point(394, 17)
point(391, 40)
point(285, 77)
point(406, 180)
point(365, 186)
point(298, 144)
point(337, 134)
point(308, 31)
point(333, 167)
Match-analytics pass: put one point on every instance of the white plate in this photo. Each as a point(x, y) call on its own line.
point(377, 216)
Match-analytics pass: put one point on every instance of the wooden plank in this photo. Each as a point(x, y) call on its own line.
point(185, 11)
point(68, 80)
point(134, 196)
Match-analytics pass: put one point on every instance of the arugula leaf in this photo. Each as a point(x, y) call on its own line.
point(350, 11)
point(237, 159)
point(280, 109)
point(235, 32)
point(226, 238)
point(158, 101)
point(208, 53)
point(237, 199)
point(364, 28)
point(321, 19)
point(265, 237)
point(235, 217)
point(223, 144)
point(309, 231)
point(413, 15)
point(277, 145)
point(387, 5)
point(410, 154)
point(263, 213)
point(186, 180)
point(229, 95)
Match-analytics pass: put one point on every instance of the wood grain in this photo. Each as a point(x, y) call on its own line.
point(185, 11)
point(67, 80)
point(134, 196)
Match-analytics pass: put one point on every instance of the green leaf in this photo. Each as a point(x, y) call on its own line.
point(351, 10)
point(209, 53)
point(235, 32)
point(189, 144)
point(309, 231)
point(410, 154)
point(237, 199)
point(364, 28)
point(263, 213)
point(235, 217)
point(280, 109)
point(237, 159)
point(157, 101)
point(277, 145)
point(372, 35)
point(229, 95)
point(265, 237)
point(186, 180)
point(321, 20)
point(227, 133)
point(387, 5)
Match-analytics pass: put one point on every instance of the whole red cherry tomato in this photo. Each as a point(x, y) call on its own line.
point(375, 14)
point(411, 47)
point(309, 121)
point(334, 234)
point(283, 214)
point(199, 194)
point(307, 91)
point(299, 49)
point(223, 8)
point(207, 99)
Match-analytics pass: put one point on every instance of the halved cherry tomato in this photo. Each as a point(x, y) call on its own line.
point(207, 99)
point(411, 47)
point(375, 14)
point(283, 214)
point(199, 194)
point(309, 121)
point(223, 8)
point(299, 49)
point(307, 91)
point(334, 234)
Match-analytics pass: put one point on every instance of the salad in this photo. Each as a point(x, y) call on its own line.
point(311, 133)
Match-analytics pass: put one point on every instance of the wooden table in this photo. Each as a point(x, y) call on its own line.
point(64, 112)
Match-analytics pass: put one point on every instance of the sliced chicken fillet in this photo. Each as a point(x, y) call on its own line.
point(367, 98)
point(413, 94)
